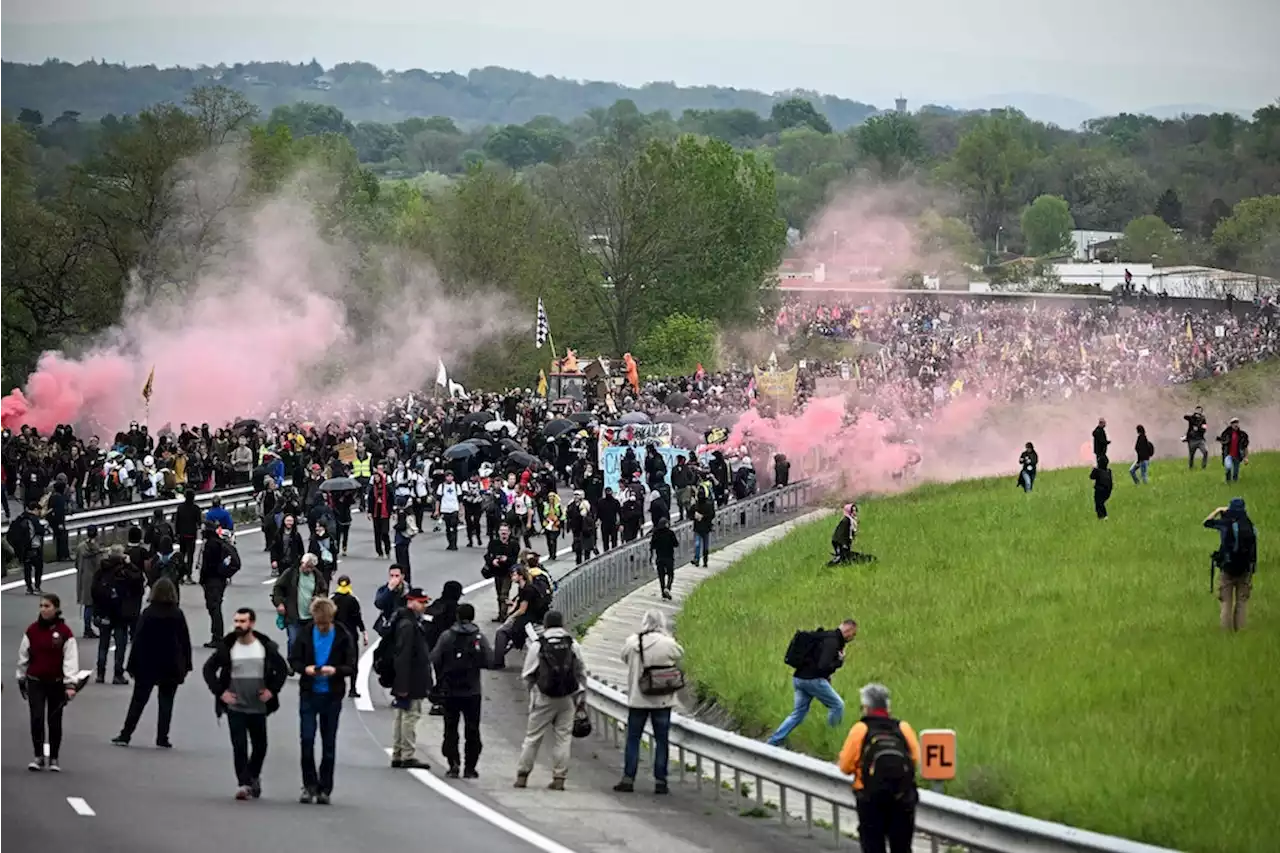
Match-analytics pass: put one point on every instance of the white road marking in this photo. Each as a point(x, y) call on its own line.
point(48, 576)
point(81, 807)
point(364, 669)
point(488, 815)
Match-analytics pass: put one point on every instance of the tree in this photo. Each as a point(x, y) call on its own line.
point(992, 159)
point(309, 119)
point(1169, 208)
point(690, 226)
point(1149, 237)
point(798, 112)
point(519, 146)
point(1047, 225)
point(947, 241)
point(676, 345)
point(892, 140)
point(1250, 236)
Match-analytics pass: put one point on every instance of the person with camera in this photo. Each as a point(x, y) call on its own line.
point(1236, 558)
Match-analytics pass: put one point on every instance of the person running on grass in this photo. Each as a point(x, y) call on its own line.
point(821, 654)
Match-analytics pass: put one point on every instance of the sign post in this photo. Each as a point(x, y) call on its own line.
point(937, 760)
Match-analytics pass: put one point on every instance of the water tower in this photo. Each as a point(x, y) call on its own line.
point(900, 104)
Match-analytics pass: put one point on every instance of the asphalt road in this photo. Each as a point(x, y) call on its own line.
point(144, 799)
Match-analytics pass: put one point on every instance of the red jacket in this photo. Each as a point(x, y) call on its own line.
point(379, 497)
point(48, 652)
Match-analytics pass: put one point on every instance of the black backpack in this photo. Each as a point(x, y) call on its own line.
point(887, 769)
point(384, 659)
point(803, 649)
point(556, 672)
point(543, 586)
point(1242, 551)
point(465, 657)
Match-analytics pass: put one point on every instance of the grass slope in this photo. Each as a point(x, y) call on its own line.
point(1079, 661)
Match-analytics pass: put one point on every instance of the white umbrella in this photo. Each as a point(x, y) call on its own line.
point(499, 425)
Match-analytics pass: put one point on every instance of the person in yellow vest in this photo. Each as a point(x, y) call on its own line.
point(361, 471)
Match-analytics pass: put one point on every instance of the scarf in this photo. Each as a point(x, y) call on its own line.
point(344, 589)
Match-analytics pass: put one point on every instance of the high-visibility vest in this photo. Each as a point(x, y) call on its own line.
point(360, 467)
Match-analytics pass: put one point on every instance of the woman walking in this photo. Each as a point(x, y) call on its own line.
point(653, 658)
point(48, 664)
point(160, 658)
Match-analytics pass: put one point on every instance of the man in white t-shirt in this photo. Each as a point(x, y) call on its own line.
point(448, 495)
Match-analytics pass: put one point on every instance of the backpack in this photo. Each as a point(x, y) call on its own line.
point(384, 661)
point(803, 649)
point(557, 676)
point(466, 657)
point(887, 769)
point(542, 584)
point(1243, 550)
point(104, 592)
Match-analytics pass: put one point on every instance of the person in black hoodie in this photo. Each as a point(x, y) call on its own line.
point(1102, 484)
point(1029, 463)
point(325, 549)
point(704, 517)
point(350, 617)
point(217, 566)
point(500, 558)
point(324, 657)
point(187, 519)
point(1100, 440)
point(411, 637)
point(245, 674)
point(607, 512)
point(822, 656)
point(460, 654)
point(662, 551)
point(160, 658)
point(286, 548)
point(118, 588)
point(1143, 450)
point(443, 612)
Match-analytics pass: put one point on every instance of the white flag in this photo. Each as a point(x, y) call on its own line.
point(442, 377)
point(456, 390)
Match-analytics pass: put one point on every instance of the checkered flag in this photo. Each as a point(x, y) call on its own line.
point(543, 330)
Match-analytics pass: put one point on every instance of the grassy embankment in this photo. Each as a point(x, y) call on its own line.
point(1079, 661)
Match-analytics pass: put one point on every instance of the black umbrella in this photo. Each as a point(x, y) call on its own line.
point(634, 418)
point(510, 445)
point(678, 400)
point(582, 417)
point(478, 419)
point(523, 460)
point(479, 442)
point(340, 484)
point(246, 425)
point(557, 426)
point(461, 451)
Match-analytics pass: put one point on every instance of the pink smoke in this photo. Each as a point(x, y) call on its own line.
point(266, 323)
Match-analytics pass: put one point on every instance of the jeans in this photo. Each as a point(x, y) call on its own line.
point(1028, 480)
point(468, 708)
point(1232, 467)
point(319, 710)
point(138, 703)
point(45, 700)
point(1139, 467)
point(807, 690)
point(118, 632)
point(291, 630)
point(660, 720)
point(246, 729)
point(701, 546)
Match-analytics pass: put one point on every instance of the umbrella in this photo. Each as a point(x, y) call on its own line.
point(481, 443)
point(635, 418)
point(666, 418)
point(340, 484)
point(557, 426)
point(499, 425)
point(477, 418)
point(510, 445)
point(677, 400)
point(461, 451)
point(247, 425)
point(523, 460)
point(582, 417)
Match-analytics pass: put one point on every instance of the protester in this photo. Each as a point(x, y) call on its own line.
point(443, 612)
point(1237, 557)
point(1028, 464)
point(245, 674)
point(160, 659)
point(412, 680)
point(1195, 438)
point(555, 674)
point(882, 754)
point(815, 656)
point(286, 548)
point(500, 558)
point(26, 537)
point(533, 600)
point(1235, 449)
point(653, 658)
point(1102, 484)
point(1144, 451)
point(117, 592)
point(219, 562)
point(48, 664)
point(662, 552)
point(460, 655)
point(704, 516)
point(324, 656)
point(293, 593)
point(187, 519)
point(350, 617)
point(389, 600)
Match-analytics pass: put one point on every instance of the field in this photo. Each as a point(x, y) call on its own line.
point(1080, 662)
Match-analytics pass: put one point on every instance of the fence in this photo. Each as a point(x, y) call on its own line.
point(725, 761)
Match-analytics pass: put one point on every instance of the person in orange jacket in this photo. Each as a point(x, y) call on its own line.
point(882, 754)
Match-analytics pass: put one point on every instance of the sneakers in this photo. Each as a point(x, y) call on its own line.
point(244, 792)
point(120, 681)
point(164, 743)
point(255, 788)
point(452, 772)
point(36, 765)
point(353, 693)
point(414, 764)
point(52, 766)
point(470, 773)
point(307, 796)
point(661, 788)
point(557, 784)
point(120, 740)
point(522, 780)
point(100, 679)
point(322, 799)
point(626, 786)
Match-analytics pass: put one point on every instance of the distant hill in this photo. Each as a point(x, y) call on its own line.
point(365, 93)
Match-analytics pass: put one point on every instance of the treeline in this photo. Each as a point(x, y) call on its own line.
point(365, 92)
point(624, 237)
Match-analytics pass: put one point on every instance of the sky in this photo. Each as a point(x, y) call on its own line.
point(1109, 55)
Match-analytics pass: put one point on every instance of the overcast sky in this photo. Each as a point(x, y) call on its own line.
point(1109, 54)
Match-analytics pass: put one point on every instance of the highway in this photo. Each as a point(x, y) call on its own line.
point(142, 799)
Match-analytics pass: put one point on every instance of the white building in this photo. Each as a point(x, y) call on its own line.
point(1083, 242)
point(1188, 282)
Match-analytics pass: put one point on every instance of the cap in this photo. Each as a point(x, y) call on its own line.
point(416, 594)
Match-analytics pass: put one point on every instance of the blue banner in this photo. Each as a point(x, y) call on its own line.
point(611, 463)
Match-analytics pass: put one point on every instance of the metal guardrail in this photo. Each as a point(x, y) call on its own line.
point(597, 583)
point(708, 752)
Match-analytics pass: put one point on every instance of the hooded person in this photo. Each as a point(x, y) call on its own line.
point(1237, 557)
point(443, 612)
point(842, 537)
point(349, 616)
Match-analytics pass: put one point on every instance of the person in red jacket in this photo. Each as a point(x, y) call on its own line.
point(380, 511)
point(48, 666)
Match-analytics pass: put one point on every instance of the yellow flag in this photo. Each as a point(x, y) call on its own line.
point(542, 383)
point(146, 389)
point(1177, 362)
point(1190, 336)
point(979, 337)
point(1084, 356)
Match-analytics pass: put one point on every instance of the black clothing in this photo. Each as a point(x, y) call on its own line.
point(827, 660)
point(412, 650)
point(217, 672)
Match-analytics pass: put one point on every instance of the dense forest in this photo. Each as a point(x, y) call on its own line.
point(642, 230)
point(364, 92)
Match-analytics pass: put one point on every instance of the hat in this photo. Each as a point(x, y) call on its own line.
point(1235, 420)
point(416, 594)
point(1236, 505)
